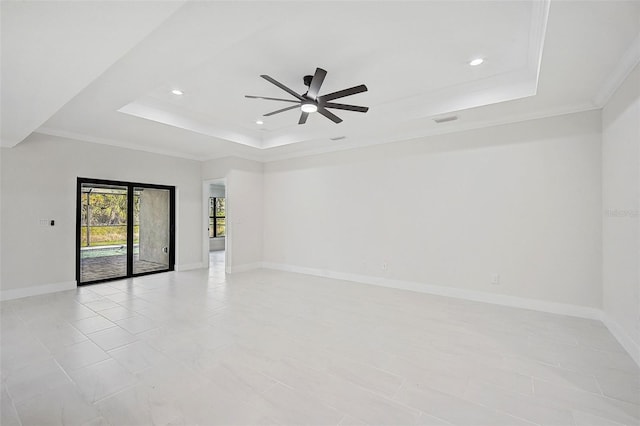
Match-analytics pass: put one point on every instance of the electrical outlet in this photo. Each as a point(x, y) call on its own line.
point(495, 279)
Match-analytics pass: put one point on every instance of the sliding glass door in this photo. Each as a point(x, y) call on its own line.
point(124, 229)
point(103, 232)
point(151, 220)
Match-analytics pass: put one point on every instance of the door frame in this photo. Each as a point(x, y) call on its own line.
point(205, 221)
point(130, 186)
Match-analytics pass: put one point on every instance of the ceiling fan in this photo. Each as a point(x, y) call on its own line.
point(310, 102)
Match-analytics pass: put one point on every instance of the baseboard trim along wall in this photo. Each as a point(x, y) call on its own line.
point(498, 299)
point(189, 266)
point(478, 296)
point(246, 267)
point(18, 293)
point(622, 337)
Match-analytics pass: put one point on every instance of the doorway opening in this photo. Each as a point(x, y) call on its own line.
point(217, 242)
point(124, 229)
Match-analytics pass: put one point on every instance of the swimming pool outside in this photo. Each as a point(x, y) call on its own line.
point(105, 251)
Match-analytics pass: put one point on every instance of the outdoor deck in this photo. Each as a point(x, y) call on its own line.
point(100, 268)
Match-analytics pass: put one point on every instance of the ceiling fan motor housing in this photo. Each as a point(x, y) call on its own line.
point(307, 80)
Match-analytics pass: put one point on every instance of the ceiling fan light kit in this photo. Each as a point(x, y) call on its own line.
point(310, 102)
point(308, 106)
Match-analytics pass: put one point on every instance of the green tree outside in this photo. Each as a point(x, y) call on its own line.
point(104, 218)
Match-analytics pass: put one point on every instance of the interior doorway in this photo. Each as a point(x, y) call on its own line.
point(124, 229)
point(217, 225)
point(217, 231)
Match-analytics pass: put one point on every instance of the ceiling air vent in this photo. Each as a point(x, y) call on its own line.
point(337, 138)
point(445, 119)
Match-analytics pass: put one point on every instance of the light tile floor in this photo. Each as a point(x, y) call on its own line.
point(266, 347)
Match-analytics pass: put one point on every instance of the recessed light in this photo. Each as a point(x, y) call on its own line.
point(177, 92)
point(476, 62)
point(259, 122)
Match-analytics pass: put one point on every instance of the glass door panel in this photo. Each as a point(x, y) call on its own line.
point(151, 229)
point(103, 232)
point(123, 229)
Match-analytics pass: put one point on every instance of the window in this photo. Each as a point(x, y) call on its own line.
point(217, 219)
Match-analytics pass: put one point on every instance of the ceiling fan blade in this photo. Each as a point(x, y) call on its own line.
point(346, 107)
point(270, 99)
point(282, 86)
point(342, 93)
point(303, 118)
point(281, 110)
point(331, 116)
point(316, 82)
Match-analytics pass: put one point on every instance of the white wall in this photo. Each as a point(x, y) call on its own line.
point(621, 204)
point(217, 243)
point(244, 204)
point(521, 200)
point(39, 182)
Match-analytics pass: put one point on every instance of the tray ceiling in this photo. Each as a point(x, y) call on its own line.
point(106, 74)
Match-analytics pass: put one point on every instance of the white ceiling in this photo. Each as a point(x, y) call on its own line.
point(51, 51)
point(103, 71)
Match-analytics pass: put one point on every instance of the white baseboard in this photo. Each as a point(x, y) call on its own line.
point(245, 267)
point(478, 296)
point(622, 337)
point(498, 299)
point(18, 293)
point(189, 266)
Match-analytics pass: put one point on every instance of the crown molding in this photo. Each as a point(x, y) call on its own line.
point(265, 156)
point(458, 128)
point(629, 61)
point(112, 142)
